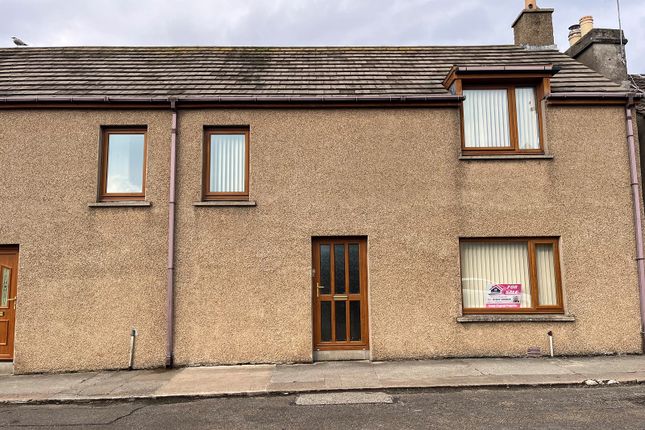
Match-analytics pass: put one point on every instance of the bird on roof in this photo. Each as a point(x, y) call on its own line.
point(18, 42)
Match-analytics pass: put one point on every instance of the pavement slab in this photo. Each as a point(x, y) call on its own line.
point(342, 398)
point(318, 377)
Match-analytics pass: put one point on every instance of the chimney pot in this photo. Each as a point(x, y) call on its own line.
point(574, 34)
point(586, 24)
point(530, 4)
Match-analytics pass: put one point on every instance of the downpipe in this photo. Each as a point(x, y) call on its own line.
point(638, 222)
point(170, 273)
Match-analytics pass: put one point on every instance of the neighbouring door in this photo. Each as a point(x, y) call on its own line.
point(340, 294)
point(8, 286)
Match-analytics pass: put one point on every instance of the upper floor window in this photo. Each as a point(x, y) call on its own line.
point(123, 164)
point(502, 109)
point(226, 164)
point(501, 119)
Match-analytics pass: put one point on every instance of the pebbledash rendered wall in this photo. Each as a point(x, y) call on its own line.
point(243, 282)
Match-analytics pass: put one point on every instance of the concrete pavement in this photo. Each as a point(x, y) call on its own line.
point(322, 376)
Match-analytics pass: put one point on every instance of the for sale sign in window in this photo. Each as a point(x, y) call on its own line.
point(504, 296)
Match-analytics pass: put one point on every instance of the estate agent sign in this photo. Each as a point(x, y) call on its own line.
point(504, 296)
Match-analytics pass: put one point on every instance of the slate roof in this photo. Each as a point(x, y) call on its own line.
point(278, 72)
point(639, 80)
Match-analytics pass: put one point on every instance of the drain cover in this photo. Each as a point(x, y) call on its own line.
point(346, 398)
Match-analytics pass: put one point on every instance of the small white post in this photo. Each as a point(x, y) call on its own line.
point(550, 334)
point(133, 334)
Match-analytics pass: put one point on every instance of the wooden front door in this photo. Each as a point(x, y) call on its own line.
point(340, 293)
point(8, 286)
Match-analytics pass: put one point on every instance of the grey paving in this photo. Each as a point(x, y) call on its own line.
point(317, 377)
point(342, 398)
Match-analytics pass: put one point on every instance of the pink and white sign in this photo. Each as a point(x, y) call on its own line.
point(504, 296)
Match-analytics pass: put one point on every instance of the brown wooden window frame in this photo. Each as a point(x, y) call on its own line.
point(535, 308)
point(208, 195)
point(106, 131)
point(514, 149)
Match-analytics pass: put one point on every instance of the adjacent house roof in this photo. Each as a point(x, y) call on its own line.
point(158, 72)
point(639, 81)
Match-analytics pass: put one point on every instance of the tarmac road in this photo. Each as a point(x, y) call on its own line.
point(600, 407)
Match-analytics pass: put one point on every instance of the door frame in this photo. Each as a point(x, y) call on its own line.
point(364, 345)
point(12, 250)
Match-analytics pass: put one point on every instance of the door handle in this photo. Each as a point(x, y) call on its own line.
point(318, 288)
point(13, 299)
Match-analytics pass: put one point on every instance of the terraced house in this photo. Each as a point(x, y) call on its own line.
point(238, 205)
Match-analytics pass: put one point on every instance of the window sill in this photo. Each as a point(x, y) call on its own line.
point(507, 157)
point(225, 203)
point(121, 204)
point(515, 318)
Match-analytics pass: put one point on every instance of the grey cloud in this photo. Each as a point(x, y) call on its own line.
point(299, 22)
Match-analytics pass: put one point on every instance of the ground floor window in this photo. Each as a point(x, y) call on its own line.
point(510, 276)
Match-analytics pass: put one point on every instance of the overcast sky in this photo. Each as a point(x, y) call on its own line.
point(301, 22)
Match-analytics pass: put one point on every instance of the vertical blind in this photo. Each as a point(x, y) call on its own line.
point(486, 123)
point(545, 274)
point(527, 118)
point(227, 163)
point(486, 264)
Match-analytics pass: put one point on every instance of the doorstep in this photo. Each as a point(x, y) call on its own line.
point(6, 368)
point(342, 355)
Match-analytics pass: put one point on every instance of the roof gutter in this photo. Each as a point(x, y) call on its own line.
point(234, 99)
point(623, 96)
point(638, 223)
point(510, 68)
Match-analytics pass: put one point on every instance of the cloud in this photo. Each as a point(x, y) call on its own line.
point(300, 22)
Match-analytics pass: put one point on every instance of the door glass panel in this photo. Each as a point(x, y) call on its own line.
point(6, 278)
point(354, 270)
point(325, 269)
point(354, 320)
point(339, 269)
point(325, 321)
point(341, 325)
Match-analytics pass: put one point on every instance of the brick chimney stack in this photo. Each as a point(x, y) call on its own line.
point(534, 26)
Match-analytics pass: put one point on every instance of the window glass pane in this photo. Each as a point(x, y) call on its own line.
point(341, 319)
point(486, 123)
point(544, 262)
point(354, 269)
point(339, 269)
point(227, 163)
point(527, 118)
point(354, 320)
point(495, 275)
point(125, 163)
point(325, 321)
point(6, 284)
point(325, 262)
